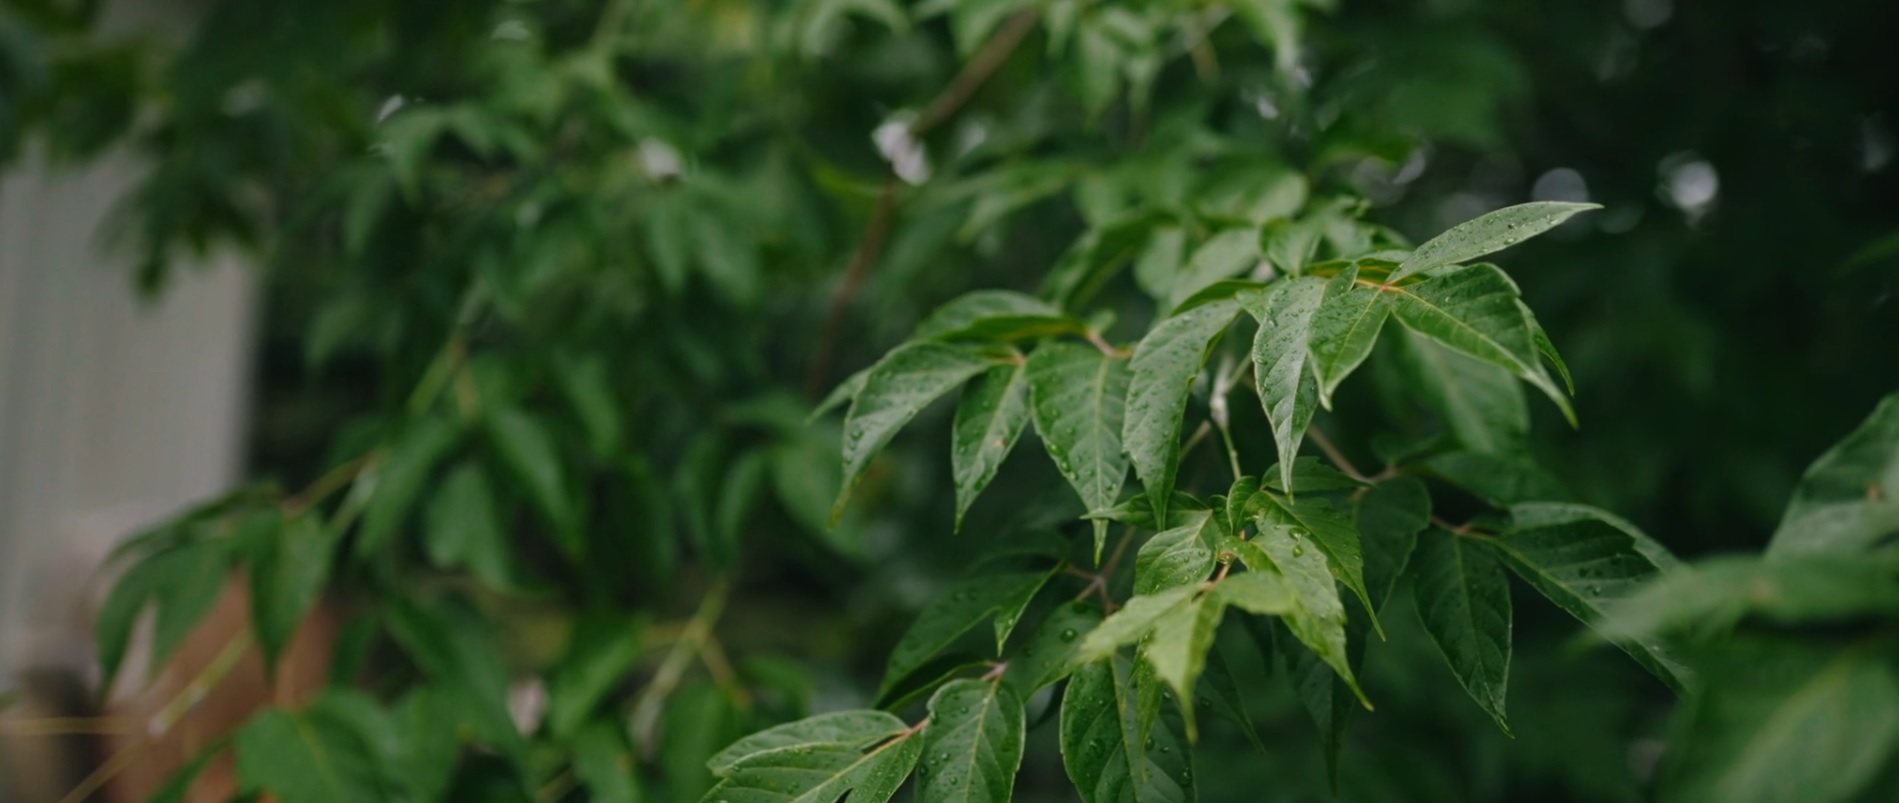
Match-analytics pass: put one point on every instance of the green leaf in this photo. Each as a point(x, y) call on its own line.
point(1288, 386)
point(1335, 536)
point(841, 395)
point(463, 528)
point(529, 453)
point(1344, 328)
point(604, 764)
point(1103, 747)
point(1318, 616)
point(1161, 376)
point(972, 746)
point(456, 651)
point(1583, 562)
point(1499, 480)
point(1309, 475)
point(1177, 648)
point(820, 774)
point(1079, 397)
point(1229, 253)
point(1003, 315)
point(897, 388)
point(1481, 404)
point(1009, 613)
point(955, 613)
point(1464, 601)
point(1792, 590)
point(1474, 311)
point(1389, 516)
point(859, 730)
point(990, 417)
point(184, 591)
point(1781, 719)
point(1160, 259)
point(286, 579)
point(1052, 650)
point(1849, 498)
point(312, 756)
point(400, 475)
point(1259, 592)
point(600, 653)
point(1326, 696)
point(1177, 557)
point(1290, 246)
point(588, 385)
point(1136, 511)
point(1226, 700)
point(738, 495)
point(1135, 619)
point(1488, 234)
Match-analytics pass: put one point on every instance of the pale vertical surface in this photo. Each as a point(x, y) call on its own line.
point(114, 411)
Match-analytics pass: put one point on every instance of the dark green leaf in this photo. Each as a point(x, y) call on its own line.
point(530, 454)
point(820, 774)
point(1318, 616)
point(841, 395)
point(1225, 255)
point(859, 730)
point(1716, 593)
point(990, 417)
point(1474, 311)
point(1079, 396)
point(1343, 330)
point(604, 764)
point(1162, 372)
point(1501, 481)
point(1227, 700)
point(1327, 528)
point(588, 385)
point(1136, 511)
point(1177, 648)
point(400, 475)
point(955, 613)
point(1488, 234)
point(898, 387)
point(286, 580)
point(1288, 386)
point(1849, 498)
point(972, 745)
point(600, 653)
point(1176, 557)
point(1135, 619)
point(463, 528)
point(1464, 601)
point(1390, 515)
point(1104, 750)
point(1051, 651)
point(996, 315)
point(1481, 404)
point(306, 757)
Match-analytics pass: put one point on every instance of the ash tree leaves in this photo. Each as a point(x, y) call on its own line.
point(859, 729)
point(1104, 749)
point(1488, 234)
point(1178, 556)
point(1464, 602)
point(1288, 387)
point(996, 315)
point(972, 745)
point(990, 416)
point(818, 766)
point(1475, 311)
point(1849, 498)
point(1345, 326)
point(1003, 596)
point(1162, 372)
point(1334, 535)
point(1079, 397)
point(897, 388)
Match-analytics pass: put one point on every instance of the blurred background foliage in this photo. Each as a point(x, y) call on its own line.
point(635, 235)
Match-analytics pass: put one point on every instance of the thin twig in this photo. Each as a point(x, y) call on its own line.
point(207, 679)
point(66, 726)
point(1333, 454)
point(673, 668)
point(975, 73)
point(104, 774)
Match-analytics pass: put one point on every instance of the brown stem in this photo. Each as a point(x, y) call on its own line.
point(984, 64)
point(1333, 454)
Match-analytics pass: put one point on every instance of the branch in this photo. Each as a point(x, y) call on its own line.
point(977, 71)
point(1333, 454)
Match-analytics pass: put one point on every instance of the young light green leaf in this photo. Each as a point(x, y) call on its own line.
point(1583, 562)
point(1258, 592)
point(1288, 387)
point(1389, 516)
point(286, 578)
point(1051, 651)
point(1176, 557)
point(897, 388)
point(1177, 648)
point(1344, 328)
point(1335, 536)
point(1547, 348)
point(1481, 404)
point(604, 764)
point(958, 611)
point(1225, 255)
point(1464, 601)
point(1714, 594)
point(1161, 376)
point(462, 528)
point(1488, 234)
point(1782, 719)
point(820, 774)
point(1318, 616)
point(996, 315)
point(529, 452)
point(400, 475)
point(972, 746)
point(601, 651)
point(1079, 397)
point(1134, 620)
point(1849, 498)
point(990, 417)
point(1104, 750)
point(1475, 311)
point(859, 730)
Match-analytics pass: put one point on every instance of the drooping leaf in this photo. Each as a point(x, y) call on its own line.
point(1135, 619)
point(972, 746)
point(1225, 255)
point(1162, 372)
point(1464, 601)
point(1784, 719)
point(1178, 646)
point(1327, 697)
point(588, 385)
point(1009, 612)
point(1318, 615)
point(956, 612)
point(604, 764)
point(1257, 592)
point(1345, 326)
point(990, 417)
point(1849, 498)
point(530, 454)
point(286, 578)
point(1487, 234)
point(1313, 520)
point(820, 774)
point(1052, 650)
point(1227, 701)
point(1474, 311)
point(1104, 750)
point(601, 651)
point(179, 569)
point(996, 315)
point(841, 395)
point(1496, 479)
point(1389, 516)
point(897, 388)
point(1582, 562)
point(462, 528)
point(400, 475)
point(1481, 404)
point(1079, 397)
point(860, 729)
point(1180, 556)
point(1288, 387)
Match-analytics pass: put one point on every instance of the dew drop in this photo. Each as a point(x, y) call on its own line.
point(1069, 634)
point(1298, 551)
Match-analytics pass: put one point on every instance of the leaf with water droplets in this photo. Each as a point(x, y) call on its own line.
point(1135, 619)
point(857, 729)
point(1849, 498)
point(1344, 328)
point(1584, 560)
point(1475, 311)
point(957, 612)
point(819, 773)
point(1180, 556)
point(1079, 397)
point(1464, 600)
point(1488, 234)
point(972, 746)
point(840, 395)
point(990, 417)
point(1162, 372)
point(1104, 750)
point(1051, 651)
point(1003, 315)
point(1317, 618)
point(897, 388)
point(1288, 388)
point(1480, 403)
point(1328, 529)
